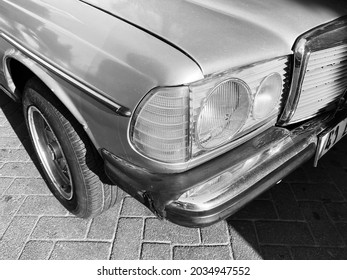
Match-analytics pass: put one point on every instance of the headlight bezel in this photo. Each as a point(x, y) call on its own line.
point(198, 154)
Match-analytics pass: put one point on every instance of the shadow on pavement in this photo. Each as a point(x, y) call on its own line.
point(303, 217)
point(14, 114)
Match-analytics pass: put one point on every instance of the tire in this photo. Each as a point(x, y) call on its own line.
point(70, 163)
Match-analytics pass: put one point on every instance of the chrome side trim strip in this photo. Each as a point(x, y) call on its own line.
point(9, 93)
point(305, 44)
point(88, 89)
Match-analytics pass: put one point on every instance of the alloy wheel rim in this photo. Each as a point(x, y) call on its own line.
point(50, 153)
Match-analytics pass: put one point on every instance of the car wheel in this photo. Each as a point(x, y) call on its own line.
point(70, 163)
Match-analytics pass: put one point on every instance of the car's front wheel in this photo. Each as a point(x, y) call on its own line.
point(71, 166)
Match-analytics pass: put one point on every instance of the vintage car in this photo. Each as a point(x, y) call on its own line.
point(193, 107)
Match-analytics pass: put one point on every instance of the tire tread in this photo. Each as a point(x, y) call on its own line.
point(97, 185)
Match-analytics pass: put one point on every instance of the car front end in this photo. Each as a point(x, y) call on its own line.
point(219, 142)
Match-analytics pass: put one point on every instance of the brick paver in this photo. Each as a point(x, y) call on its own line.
point(215, 234)
point(170, 232)
point(41, 205)
point(201, 253)
point(27, 186)
point(304, 217)
point(156, 251)
point(288, 233)
point(60, 228)
point(128, 238)
point(275, 252)
point(16, 236)
point(244, 240)
point(4, 184)
point(81, 250)
point(37, 250)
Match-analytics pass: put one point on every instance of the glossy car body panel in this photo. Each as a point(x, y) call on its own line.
point(62, 33)
point(222, 34)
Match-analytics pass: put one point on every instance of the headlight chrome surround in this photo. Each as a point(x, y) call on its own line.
point(195, 96)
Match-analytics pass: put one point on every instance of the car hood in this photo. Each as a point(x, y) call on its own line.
point(222, 34)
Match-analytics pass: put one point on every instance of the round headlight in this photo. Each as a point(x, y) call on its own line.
point(223, 114)
point(267, 96)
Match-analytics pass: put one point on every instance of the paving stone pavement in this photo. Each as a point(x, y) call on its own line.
point(303, 217)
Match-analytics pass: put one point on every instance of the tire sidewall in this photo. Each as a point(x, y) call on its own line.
point(77, 205)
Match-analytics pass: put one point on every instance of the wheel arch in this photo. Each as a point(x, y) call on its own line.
point(18, 69)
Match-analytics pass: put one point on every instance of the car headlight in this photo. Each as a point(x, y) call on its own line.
point(161, 127)
point(223, 113)
point(267, 97)
point(195, 122)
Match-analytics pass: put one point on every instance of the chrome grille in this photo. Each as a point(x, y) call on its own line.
point(319, 76)
point(324, 82)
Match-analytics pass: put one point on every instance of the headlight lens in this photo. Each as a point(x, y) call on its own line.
point(267, 96)
point(224, 112)
point(161, 129)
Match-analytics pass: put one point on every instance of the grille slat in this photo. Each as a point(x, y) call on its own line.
point(313, 72)
point(331, 98)
point(320, 64)
point(318, 107)
point(328, 53)
point(324, 82)
point(322, 78)
point(314, 92)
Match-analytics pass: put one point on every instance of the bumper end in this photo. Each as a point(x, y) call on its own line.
point(218, 188)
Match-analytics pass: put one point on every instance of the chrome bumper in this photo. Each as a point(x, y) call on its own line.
point(255, 166)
